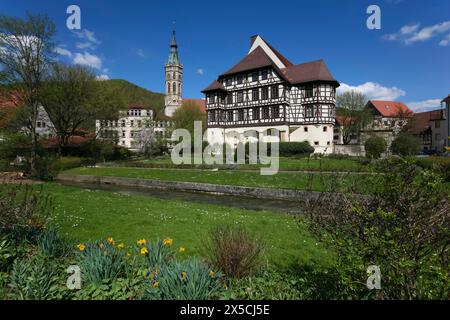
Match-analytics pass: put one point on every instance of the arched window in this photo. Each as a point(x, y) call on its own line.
point(179, 88)
point(168, 87)
point(174, 87)
point(174, 76)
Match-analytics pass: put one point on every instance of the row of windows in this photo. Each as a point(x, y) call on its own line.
point(173, 76)
point(172, 88)
point(138, 113)
point(244, 114)
point(254, 76)
point(256, 94)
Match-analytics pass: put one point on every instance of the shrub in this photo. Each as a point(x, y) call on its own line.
point(35, 279)
point(100, 261)
point(438, 164)
point(375, 146)
point(303, 149)
point(267, 285)
point(233, 250)
point(185, 280)
point(405, 145)
point(402, 227)
point(52, 244)
point(24, 211)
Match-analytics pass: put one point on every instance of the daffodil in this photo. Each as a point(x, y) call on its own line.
point(155, 284)
point(212, 274)
point(128, 254)
point(168, 241)
point(144, 250)
point(183, 276)
point(81, 247)
point(142, 242)
point(182, 249)
point(120, 246)
point(110, 240)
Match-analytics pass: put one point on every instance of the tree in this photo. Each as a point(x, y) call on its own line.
point(405, 144)
point(26, 49)
point(351, 108)
point(375, 146)
point(74, 99)
point(184, 117)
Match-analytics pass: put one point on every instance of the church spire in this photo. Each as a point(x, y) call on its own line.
point(173, 55)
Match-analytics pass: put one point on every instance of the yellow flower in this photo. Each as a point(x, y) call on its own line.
point(168, 241)
point(81, 247)
point(128, 254)
point(155, 284)
point(212, 274)
point(110, 240)
point(183, 276)
point(120, 246)
point(144, 250)
point(142, 242)
point(182, 249)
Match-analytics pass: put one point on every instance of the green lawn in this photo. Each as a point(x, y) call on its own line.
point(286, 180)
point(286, 164)
point(85, 215)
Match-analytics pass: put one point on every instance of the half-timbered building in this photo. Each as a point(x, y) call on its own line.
point(266, 91)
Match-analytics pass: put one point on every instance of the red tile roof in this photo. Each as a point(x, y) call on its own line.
point(391, 108)
point(343, 120)
point(9, 102)
point(421, 121)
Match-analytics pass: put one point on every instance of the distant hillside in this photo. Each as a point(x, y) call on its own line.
point(135, 94)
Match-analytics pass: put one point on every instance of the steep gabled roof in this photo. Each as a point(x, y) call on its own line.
point(215, 85)
point(308, 72)
point(282, 58)
point(254, 60)
point(201, 103)
point(391, 108)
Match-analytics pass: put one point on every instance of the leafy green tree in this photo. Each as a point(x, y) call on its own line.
point(74, 99)
point(27, 48)
point(351, 108)
point(405, 144)
point(184, 118)
point(375, 146)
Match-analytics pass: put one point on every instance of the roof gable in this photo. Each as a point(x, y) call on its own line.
point(391, 108)
point(254, 60)
point(277, 58)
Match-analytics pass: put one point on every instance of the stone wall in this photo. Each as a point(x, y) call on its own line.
point(350, 149)
point(263, 193)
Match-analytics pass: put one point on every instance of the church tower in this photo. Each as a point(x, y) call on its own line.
point(174, 80)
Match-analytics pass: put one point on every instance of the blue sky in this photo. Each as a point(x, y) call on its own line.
point(407, 60)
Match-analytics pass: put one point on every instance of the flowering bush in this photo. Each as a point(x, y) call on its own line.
point(185, 280)
point(156, 253)
point(101, 260)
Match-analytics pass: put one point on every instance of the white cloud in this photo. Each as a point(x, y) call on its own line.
point(445, 42)
point(88, 59)
point(102, 77)
point(87, 35)
point(200, 71)
point(373, 91)
point(140, 53)
point(426, 105)
point(63, 52)
point(409, 34)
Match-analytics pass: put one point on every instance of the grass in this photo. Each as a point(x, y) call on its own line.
point(86, 215)
point(286, 164)
point(286, 180)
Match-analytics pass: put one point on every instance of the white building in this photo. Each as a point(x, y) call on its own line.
point(266, 91)
point(135, 127)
